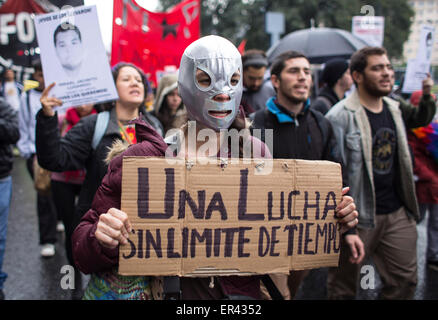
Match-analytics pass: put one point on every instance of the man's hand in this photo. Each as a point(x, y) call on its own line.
point(113, 228)
point(356, 248)
point(48, 103)
point(346, 212)
point(427, 85)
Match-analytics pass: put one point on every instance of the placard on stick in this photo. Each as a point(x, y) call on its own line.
point(229, 219)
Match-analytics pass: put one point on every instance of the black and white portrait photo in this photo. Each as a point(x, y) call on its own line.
point(67, 40)
point(74, 57)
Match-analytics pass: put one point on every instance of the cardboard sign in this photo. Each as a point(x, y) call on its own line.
point(227, 219)
point(73, 56)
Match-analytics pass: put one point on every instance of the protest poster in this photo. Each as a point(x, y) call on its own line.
point(229, 219)
point(371, 29)
point(73, 56)
point(418, 68)
point(18, 43)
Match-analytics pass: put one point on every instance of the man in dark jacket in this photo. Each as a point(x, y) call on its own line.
point(299, 132)
point(256, 88)
point(9, 135)
point(337, 79)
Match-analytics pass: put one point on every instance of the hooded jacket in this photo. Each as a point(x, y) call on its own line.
point(325, 100)
point(167, 84)
point(91, 257)
point(74, 151)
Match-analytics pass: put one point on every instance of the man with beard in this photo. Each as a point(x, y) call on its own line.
point(370, 129)
point(256, 89)
point(299, 132)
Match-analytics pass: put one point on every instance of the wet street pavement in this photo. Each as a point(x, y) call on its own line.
point(34, 278)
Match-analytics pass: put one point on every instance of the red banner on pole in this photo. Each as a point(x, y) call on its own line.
point(153, 41)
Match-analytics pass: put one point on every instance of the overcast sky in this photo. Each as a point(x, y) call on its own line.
point(105, 13)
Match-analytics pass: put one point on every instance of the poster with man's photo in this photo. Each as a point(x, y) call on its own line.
point(73, 56)
point(417, 69)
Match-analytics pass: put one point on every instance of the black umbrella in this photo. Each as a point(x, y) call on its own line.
point(318, 44)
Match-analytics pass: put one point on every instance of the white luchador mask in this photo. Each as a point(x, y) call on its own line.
point(219, 59)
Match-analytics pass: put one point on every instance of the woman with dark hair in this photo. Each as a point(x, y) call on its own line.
point(76, 150)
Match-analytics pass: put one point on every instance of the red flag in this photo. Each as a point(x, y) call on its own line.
point(153, 41)
point(21, 6)
point(241, 47)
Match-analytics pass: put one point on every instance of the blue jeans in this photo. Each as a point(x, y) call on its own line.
point(5, 202)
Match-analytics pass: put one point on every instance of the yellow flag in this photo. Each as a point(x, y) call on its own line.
point(30, 84)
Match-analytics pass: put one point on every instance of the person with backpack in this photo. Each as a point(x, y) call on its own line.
point(299, 132)
point(86, 144)
point(47, 215)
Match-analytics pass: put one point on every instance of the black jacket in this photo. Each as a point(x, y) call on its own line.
point(311, 139)
point(9, 134)
point(74, 151)
point(326, 99)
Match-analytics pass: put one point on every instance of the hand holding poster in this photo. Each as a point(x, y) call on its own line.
point(73, 56)
point(417, 69)
point(221, 220)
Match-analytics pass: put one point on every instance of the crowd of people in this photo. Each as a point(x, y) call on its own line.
point(389, 174)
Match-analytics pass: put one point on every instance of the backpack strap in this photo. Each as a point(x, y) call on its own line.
point(100, 128)
point(260, 120)
point(322, 124)
point(272, 288)
point(28, 103)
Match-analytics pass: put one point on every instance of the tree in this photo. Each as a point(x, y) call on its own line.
point(245, 19)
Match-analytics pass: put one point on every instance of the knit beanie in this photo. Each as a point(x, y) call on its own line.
point(333, 71)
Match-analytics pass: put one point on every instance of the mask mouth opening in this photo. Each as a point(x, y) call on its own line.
point(219, 114)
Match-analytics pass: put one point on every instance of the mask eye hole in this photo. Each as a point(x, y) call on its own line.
point(235, 78)
point(203, 78)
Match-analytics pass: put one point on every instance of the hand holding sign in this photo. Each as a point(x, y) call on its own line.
point(48, 103)
point(113, 228)
point(346, 212)
point(427, 85)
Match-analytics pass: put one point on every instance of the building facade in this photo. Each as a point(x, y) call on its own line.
point(426, 12)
